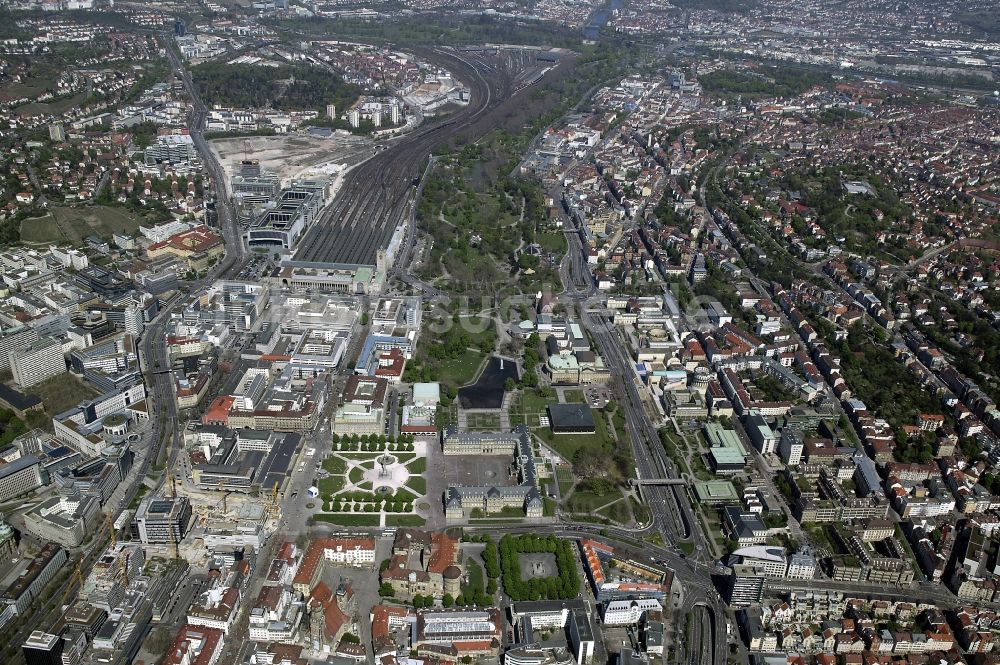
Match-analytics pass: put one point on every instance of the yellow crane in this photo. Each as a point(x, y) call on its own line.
point(78, 576)
point(272, 502)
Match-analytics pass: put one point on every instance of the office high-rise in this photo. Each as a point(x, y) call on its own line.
point(42, 648)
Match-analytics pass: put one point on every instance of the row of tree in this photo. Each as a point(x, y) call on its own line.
point(491, 560)
point(372, 438)
point(390, 507)
point(565, 585)
point(373, 447)
point(420, 602)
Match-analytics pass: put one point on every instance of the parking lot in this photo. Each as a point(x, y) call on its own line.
point(597, 396)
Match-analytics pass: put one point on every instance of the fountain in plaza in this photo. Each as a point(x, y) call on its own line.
point(385, 462)
point(386, 474)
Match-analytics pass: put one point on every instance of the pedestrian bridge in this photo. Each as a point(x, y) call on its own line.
point(656, 481)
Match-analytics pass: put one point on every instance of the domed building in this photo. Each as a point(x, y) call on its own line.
point(115, 425)
point(8, 542)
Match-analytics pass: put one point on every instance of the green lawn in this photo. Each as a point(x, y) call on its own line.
point(405, 520)
point(639, 510)
point(351, 519)
point(29, 86)
point(69, 224)
point(532, 402)
point(41, 230)
point(62, 392)
point(417, 466)
point(56, 107)
point(356, 474)
point(334, 465)
point(461, 370)
point(488, 332)
point(330, 485)
point(483, 421)
point(553, 242)
point(593, 519)
point(564, 476)
point(403, 495)
point(476, 582)
point(574, 396)
point(418, 484)
point(617, 512)
point(618, 421)
point(585, 502)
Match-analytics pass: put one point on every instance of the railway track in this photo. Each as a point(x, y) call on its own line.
point(373, 200)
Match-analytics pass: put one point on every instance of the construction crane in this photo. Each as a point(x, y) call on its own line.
point(78, 576)
point(173, 544)
point(272, 502)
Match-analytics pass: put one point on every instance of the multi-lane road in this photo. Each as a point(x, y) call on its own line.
point(672, 514)
point(155, 358)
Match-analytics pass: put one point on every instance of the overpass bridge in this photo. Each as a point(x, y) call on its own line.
point(638, 482)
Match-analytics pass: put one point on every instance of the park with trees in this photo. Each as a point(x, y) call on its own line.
point(566, 583)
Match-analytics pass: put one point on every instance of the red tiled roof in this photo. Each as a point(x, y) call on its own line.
point(189, 638)
point(198, 239)
point(314, 555)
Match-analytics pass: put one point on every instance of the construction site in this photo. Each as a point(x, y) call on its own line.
point(295, 156)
